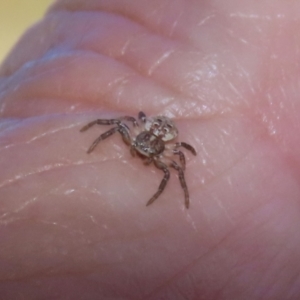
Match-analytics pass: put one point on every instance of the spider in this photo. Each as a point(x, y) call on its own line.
point(152, 142)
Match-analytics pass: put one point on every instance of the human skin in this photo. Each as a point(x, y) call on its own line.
point(75, 226)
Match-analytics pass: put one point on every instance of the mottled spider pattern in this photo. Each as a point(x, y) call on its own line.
point(151, 139)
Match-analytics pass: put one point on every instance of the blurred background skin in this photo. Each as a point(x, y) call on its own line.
point(15, 17)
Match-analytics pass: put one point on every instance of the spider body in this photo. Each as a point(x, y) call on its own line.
point(152, 142)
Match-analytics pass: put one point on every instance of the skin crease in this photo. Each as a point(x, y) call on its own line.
point(75, 226)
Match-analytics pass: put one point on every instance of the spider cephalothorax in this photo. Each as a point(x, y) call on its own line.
point(152, 142)
point(162, 127)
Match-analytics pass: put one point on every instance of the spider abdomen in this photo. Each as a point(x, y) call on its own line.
point(148, 144)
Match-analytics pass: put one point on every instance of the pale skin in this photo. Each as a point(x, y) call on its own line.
point(75, 225)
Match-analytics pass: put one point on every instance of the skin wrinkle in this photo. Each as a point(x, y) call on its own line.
point(215, 177)
point(155, 12)
point(294, 281)
point(84, 275)
point(175, 24)
point(189, 98)
point(19, 209)
point(144, 234)
point(159, 62)
point(186, 96)
point(30, 78)
point(239, 265)
point(104, 12)
point(47, 273)
point(7, 216)
point(50, 14)
point(40, 170)
point(37, 137)
point(48, 168)
point(69, 98)
point(37, 64)
point(169, 87)
point(269, 79)
point(133, 17)
point(185, 269)
point(92, 269)
point(273, 284)
point(204, 20)
point(68, 229)
point(273, 261)
point(231, 278)
point(226, 212)
point(255, 16)
point(222, 290)
point(243, 156)
point(148, 22)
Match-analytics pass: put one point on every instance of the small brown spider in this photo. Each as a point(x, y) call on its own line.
point(151, 143)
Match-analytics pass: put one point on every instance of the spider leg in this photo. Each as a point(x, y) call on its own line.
point(124, 131)
point(132, 151)
point(129, 119)
point(103, 136)
point(181, 157)
point(148, 161)
point(133, 148)
point(100, 122)
point(142, 117)
point(186, 146)
point(182, 182)
point(109, 122)
point(161, 166)
point(122, 128)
